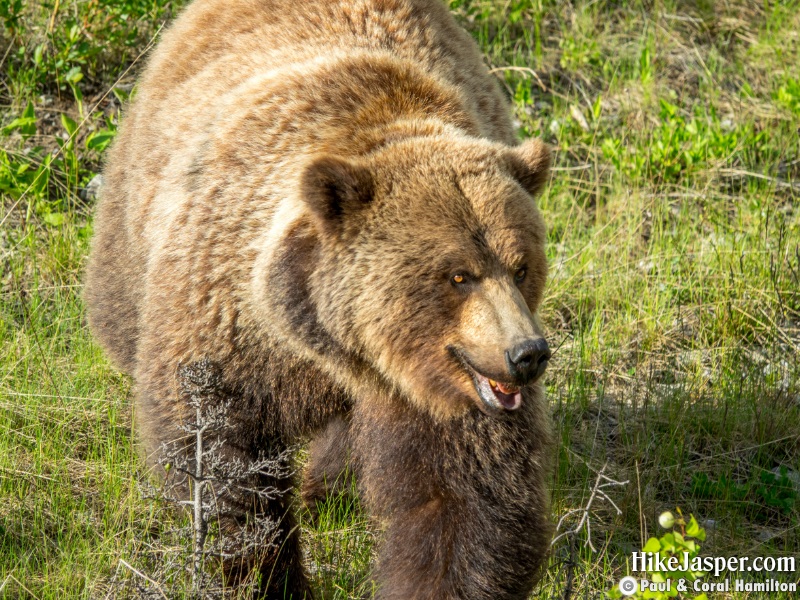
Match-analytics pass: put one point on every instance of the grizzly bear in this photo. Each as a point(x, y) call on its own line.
point(326, 199)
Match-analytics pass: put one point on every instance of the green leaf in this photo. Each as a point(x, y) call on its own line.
point(652, 545)
point(54, 219)
point(667, 110)
point(99, 140)
point(693, 528)
point(69, 125)
point(121, 95)
point(596, 107)
point(26, 124)
point(74, 75)
point(668, 542)
point(37, 55)
point(614, 593)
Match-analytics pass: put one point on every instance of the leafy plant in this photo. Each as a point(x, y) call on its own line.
point(24, 124)
point(680, 145)
point(789, 95)
point(99, 139)
point(723, 488)
point(680, 541)
point(35, 173)
point(11, 13)
point(21, 174)
point(646, 71)
point(776, 490)
point(578, 52)
point(768, 494)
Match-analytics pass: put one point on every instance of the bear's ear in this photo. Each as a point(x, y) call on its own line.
point(335, 189)
point(529, 164)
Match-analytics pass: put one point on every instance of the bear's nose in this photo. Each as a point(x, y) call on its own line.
point(528, 360)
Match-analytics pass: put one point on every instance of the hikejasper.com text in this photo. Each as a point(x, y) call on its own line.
point(715, 565)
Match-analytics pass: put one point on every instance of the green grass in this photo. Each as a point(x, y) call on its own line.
point(674, 297)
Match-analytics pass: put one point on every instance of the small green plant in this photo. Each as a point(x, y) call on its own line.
point(11, 13)
point(679, 542)
point(50, 180)
point(578, 52)
point(25, 124)
point(763, 498)
point(789, 95)
point(723, 488)
point(646, 71)
point(681, 146)
point(100, 138)
point(776, 491)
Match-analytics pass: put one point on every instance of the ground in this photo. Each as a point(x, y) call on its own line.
point(673, 302)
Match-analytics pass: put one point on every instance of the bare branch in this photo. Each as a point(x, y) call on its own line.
point(601, 483)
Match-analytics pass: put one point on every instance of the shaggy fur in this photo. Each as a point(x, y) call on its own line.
point(291, 194)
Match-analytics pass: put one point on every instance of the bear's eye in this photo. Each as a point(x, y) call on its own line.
point(519, 276)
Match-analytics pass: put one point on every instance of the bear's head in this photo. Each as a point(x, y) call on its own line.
point(432, 267)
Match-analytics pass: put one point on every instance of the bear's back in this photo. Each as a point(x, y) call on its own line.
point(183, 160)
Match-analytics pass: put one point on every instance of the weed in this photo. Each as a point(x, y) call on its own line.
point(788, 95)
point(763, 498)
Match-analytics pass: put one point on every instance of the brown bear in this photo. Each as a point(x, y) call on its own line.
point(327, 200)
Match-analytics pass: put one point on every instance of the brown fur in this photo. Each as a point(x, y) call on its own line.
point(290, 194)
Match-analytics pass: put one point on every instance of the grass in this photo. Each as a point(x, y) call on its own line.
point(674, 297)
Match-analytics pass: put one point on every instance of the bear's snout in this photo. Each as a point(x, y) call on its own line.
point(528, 360)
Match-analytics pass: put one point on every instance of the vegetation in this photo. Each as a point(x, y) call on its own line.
point(679, 544)
point(674, 296)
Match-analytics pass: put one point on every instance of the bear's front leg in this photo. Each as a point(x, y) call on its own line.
point(276, 563)
point(326, 472)
point(464, 501)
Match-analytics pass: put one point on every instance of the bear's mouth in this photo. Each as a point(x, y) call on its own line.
point(494, 394)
